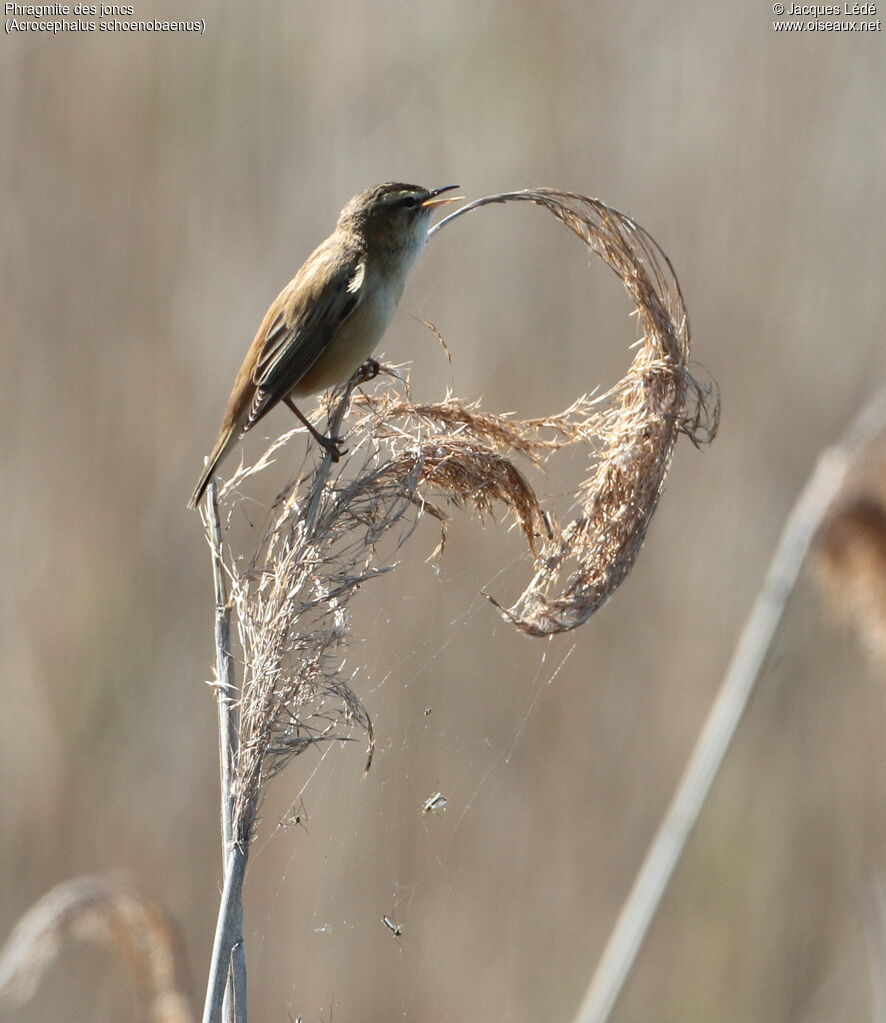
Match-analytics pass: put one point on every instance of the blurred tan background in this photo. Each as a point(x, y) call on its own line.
point(158, 190)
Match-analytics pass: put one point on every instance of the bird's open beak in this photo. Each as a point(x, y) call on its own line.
point(434, 200)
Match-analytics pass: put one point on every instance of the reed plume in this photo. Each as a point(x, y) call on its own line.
point(325, 532)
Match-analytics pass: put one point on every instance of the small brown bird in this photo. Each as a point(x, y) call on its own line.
point(326, 322)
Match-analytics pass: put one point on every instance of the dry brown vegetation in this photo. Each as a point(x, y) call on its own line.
point(320, 546)
point(114, 912)
point(291, 597)
point(159, 190)
point(851, 551)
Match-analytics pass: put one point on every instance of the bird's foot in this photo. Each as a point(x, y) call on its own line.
point(367, 371)
point(332, 446)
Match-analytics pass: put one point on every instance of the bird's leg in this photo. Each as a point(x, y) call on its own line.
point(329, 444)
point(367, 371)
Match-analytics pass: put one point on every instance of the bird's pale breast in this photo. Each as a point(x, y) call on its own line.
point(354, 341)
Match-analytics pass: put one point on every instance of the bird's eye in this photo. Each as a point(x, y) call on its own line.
point(410, 202)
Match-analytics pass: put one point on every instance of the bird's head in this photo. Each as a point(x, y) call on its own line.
point(394, 215)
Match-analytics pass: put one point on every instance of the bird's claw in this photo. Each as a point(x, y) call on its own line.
point(332, 447)
point(367, 371)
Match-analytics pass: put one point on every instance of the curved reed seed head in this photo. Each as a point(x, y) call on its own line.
point(658, 398)
point(407, 458)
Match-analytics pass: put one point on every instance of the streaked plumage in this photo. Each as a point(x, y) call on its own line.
point(327, 321)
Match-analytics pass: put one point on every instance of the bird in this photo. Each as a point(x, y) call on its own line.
point(328, 319)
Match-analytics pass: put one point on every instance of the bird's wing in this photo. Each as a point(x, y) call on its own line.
point(302, 323)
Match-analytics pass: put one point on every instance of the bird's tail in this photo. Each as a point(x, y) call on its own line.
point(226, 440)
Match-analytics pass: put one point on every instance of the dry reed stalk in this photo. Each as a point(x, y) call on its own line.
point(111, 911)
point(233, 993)
point(320, 544)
